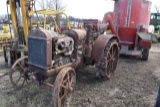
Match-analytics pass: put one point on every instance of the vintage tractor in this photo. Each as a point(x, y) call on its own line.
point(155, 21)
point(130, 22)
point(52, 53)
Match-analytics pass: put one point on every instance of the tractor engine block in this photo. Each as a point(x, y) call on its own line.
point(64, 45)
point(62, 50)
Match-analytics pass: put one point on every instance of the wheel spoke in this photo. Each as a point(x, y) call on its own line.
point(13, 70)
point(64, 81)
point(112, 66)
point(69, 83)
point(63, 86)
point(63, 96)
point(114, 53)
point(59, 103)
point(115, 63)
point(112, 50)
point(108, 66)
point(23, 82)
point(109, 69)
point(108, 60)
point(65, 93)
point(21, 66)
point(104, 58)
point(109, 54)
point(18, 79)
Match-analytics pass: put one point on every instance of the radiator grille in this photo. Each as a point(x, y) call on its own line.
point(37, 52)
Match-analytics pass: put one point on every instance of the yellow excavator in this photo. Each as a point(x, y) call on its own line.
point(20, 15)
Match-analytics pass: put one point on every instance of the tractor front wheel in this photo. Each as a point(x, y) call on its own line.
point(19, 73)
point(64, 87)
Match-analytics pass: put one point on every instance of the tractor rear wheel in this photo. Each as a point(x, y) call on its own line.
point(145, 54)
point(64, 87)
point(108, 64)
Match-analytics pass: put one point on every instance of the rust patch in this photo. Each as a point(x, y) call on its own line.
point(99, 46)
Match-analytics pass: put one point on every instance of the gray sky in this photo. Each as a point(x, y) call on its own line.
point(86, 8)
point(94, 9)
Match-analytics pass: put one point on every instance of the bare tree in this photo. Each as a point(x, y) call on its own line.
point(4, 19)
point(53, 4)
point(41, 3)
point(4, 16)
point(157, 9)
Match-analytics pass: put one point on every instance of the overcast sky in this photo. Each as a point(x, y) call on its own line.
point(85, 8)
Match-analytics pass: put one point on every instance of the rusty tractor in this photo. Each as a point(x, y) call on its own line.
point(50, 53)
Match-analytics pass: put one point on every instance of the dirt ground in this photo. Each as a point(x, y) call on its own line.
point(135, 84)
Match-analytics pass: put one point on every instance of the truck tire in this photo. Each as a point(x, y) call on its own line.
point(145, 54)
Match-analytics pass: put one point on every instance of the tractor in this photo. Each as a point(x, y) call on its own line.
point(155, 21)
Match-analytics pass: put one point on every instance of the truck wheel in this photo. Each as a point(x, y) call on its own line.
point(64, 87)
point(145, 54)
point(108, 64)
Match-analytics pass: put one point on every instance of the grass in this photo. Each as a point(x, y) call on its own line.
point(1, 104)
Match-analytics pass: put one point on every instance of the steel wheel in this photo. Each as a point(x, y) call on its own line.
point(19, 72)
point(108, 64)
point(64, 87)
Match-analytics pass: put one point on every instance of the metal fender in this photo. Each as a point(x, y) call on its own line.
point(99, 46)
